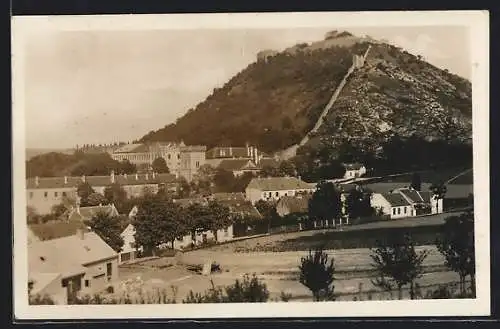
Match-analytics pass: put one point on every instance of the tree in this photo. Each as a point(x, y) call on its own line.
point(220, 217)
point(84, 190)
point(197, 217)
point(416, 182)
point(96, 199)
point(456, 244)
point(183, 188)
point(316, 273)
point(160, 166)
point(31, 215)
point(270, 171)
point(115, 194)
point(158, 222)
point(438, 190)
point(127, 167)
point(398, 264)
point(358, 204)
point(224, 180)
point(325, 203)
point(108, 228)
point(58, 210)
point(287, 168)
point(268, 211)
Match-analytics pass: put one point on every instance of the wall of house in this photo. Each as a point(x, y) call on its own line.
point(190, 163)
point(377, 201)
point(222, 236)
point(128, 236)
point(436, 206)
point(56, 292)
point(97, 275)
point(401, 212)
point(255, 195)
point(42, 200)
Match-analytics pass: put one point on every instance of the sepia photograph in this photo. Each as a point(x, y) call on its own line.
point(262, 161)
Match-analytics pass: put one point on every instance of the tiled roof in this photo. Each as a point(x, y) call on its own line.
point(387, 187)
point(297, 204)
point(56, 229)
point(278, 183)
point(353, 166)
point(73, 182)
point(132, 148)
point(236, 164)
point(42, 280)
point(268, 163)
point(193, 148)
point(227, 152)
point(87, 213)
point(67, 255)
point(231, 152)
point(395, 199)
point(242, 207)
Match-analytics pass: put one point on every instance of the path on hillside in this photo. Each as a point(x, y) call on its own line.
point(455, 177)
point(292, 150)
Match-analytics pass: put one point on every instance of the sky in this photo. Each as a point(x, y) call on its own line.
point(109, 86)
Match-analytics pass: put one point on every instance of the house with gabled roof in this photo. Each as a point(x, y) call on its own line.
point(406, 202)
point(83, 214)
point(239, 166)
point(66, 267)
point(54, 230)
point(298, 204)
point(42, 193)
point(273, 188)
point(354, 170)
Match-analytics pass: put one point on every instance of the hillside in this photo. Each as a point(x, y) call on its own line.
point(276, 100)
point(54, 164)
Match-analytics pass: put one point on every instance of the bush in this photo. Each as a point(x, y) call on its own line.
point(249, 290)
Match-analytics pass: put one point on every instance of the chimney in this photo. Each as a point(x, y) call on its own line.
point(256, 155)
point(251, 152)
point(136, 176)
point(230, 151)
point(65, 180)
point(248, 149)
point(112, 176)
point(37, 181)
point(80, 233)
point(83, 178)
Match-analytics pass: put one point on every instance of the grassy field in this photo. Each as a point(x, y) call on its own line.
point(275, 260)
point(280, 272)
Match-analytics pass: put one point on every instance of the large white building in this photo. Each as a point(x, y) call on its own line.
point(182, 160)
point(42, 193)
point(406, 202)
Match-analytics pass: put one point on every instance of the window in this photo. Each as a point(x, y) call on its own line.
point(63, 193)
point(394, 211)
point(169, 156)
point(45, 194)
point(56, 194)
point(64, 283)
point(178, 156)
point(197, 164)
point(399, 211)
point(87, 283)
point(109, 269)
point(277, 194)
point(405, 210)
point(31, 195)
